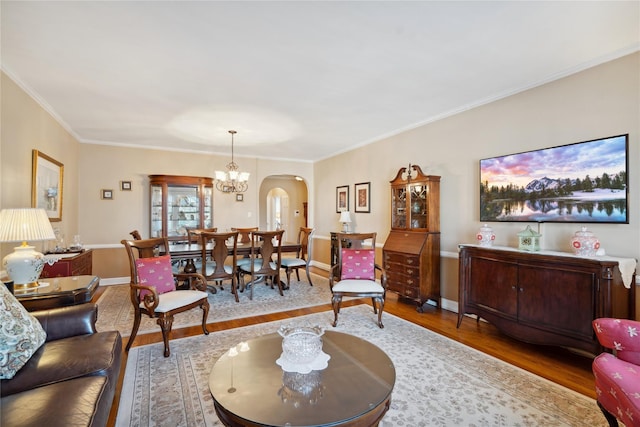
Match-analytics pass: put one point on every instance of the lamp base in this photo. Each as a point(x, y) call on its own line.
point(24, 266)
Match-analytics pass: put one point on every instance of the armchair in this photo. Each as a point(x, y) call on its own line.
point(356, 269)
point(153, 288)
point(617, 374)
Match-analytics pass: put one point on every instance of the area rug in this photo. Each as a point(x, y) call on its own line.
point(116, 313)
point(439, 382)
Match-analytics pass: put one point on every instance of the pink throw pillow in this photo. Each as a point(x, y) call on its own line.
point(358, 264)
point(155, 272)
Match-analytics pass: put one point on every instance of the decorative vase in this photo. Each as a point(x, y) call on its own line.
point(585, 243)
point(485, 236)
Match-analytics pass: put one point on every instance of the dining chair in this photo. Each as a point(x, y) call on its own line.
point(153, 288)
point(302, 258)
point(265, 245)
point(194, 233)
point(216, 268)
point(245, 233)
point(136, 235)
point(356, 270)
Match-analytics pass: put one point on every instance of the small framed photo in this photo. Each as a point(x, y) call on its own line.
point(106, 194)
point(342, 198)
point(125, 185)
point(363, 197)
point(239, 197)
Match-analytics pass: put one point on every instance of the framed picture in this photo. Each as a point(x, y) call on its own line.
point(239, 197)
point(46, 185)
point(342, 198)
point(107, 194)
point(362, 197)
point(125, 185)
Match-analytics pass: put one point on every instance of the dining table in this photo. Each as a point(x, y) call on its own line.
point(187, 252)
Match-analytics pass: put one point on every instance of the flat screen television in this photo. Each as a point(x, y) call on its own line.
point(584, 182)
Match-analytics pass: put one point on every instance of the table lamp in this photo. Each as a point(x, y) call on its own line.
point(24, 264)
point(345, 219)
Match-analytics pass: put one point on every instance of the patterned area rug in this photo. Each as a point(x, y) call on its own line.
point(116, 313)
point(439, 382)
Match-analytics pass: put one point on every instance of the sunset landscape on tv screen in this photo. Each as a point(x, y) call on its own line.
point(582, 182)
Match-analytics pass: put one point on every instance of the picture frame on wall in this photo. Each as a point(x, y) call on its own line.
point(47, 185)
point(342, 198)
point(239, 197)
point(106, 194)
point(362, 197)
point(125, 185)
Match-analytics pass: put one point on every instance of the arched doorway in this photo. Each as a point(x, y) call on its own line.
point(283, 204)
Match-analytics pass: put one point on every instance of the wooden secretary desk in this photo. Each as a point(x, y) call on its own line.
point(411, 253)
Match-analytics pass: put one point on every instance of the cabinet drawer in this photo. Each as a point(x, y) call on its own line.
point(401, 258)
point(403, 279)
point(401, 289)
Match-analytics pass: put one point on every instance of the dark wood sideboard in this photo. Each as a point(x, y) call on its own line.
point(70, 265)
point(542, 298)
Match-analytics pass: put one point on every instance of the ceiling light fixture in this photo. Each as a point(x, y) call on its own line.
point(232, 180)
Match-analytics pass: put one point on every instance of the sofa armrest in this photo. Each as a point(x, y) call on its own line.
point(70, 321)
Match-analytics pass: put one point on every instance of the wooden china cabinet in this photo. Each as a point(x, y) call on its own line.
point(178, 203)
point(411, 253)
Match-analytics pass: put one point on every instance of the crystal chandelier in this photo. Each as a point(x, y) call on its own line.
point(232, 181)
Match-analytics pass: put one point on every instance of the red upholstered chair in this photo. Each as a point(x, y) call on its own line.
point(153, 288)
point(356, 269)
point(617, 374)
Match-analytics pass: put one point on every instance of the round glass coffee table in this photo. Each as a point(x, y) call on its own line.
point(250, 389)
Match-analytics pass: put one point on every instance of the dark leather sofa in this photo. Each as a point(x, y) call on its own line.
point(71, 379)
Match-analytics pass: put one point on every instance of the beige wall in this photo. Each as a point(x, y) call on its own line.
point(24, 127)
point(599, 102)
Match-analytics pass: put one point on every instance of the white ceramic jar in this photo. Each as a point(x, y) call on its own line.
point(485, 236)
point(585, 243)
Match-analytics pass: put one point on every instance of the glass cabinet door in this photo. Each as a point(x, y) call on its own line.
point(398, 207)
point(183, 210)
point(156, 210)
point(208, 211)
point(418, 206)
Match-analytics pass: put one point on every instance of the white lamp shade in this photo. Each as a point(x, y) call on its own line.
point(25, 264)
point(22, 225)
point(244, 177)
point(345, 216)
point(221, 175)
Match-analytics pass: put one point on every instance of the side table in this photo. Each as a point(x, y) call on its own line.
point(59, 292)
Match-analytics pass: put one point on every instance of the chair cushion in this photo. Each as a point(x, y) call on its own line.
point(618, 387)
point(293, 262)
point(21, 335)
point(156, 272)
point(172, 300)
point(357, 286)
point(358, 264)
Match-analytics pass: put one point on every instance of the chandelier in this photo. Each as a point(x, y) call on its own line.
point(232, 180)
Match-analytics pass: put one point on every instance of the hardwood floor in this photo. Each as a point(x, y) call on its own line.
point(555, 364)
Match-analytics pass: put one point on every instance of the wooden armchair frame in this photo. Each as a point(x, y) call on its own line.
point(261, 263)
point(357, 288)
point(156, 305)
point(217, 269)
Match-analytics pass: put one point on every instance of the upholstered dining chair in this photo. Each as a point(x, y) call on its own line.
point(153, 288)
point(356, 270)
point(216, 268)
point(617, 372)
point(265, 245)
point(302, 258)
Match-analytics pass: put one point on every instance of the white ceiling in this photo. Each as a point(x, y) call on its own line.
point(297, 80)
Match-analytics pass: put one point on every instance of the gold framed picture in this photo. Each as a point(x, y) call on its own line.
point(47, 185)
